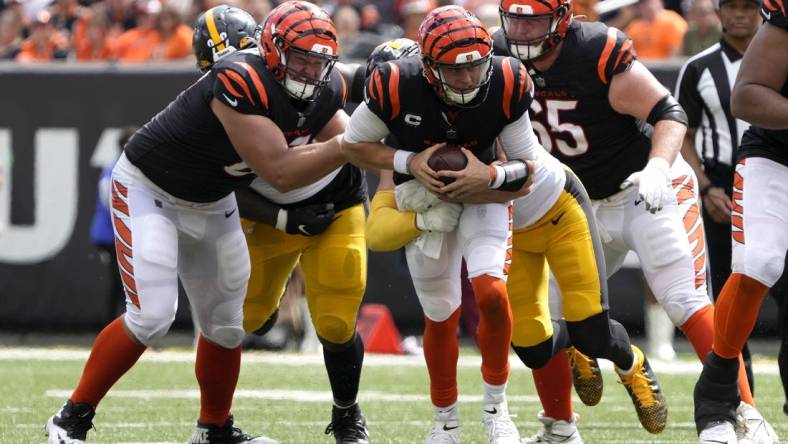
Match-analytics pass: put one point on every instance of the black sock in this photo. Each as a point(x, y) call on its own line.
point(716, 393)
point(343, 364)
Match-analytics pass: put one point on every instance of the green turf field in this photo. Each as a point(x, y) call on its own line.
point(287, 398)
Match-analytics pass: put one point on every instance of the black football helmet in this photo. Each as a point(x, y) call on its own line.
point(391, 50)
point(222, 30)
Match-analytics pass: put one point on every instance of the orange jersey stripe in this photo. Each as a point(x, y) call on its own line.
point(118, 199)
point(242, 83)
point(394, 90)
point(521, 85)
point(258, 84)
point(508, 87)
point(228, 85)
point(603, 58)
point(737, 207)
point(124, 254)
point(344, 89)
point(378, 88)
point(624, 50)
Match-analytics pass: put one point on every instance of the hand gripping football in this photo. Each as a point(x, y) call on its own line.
point(448, 158)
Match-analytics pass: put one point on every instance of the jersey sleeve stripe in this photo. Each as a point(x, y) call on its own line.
point(525, 83)
point(394, 90)
point(235, 77)
point(344, 89)
point(625, 50)
point(508, 86)
point(228, 85)
point(774, 5)
point(258, 84)
point(603, 58)
point(212, 31)
point(378, 88)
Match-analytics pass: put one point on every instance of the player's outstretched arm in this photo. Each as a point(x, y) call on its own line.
point(263, 147)
point(389, 229)
point(764, 71)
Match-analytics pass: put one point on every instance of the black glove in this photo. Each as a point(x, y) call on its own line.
point(308, 220)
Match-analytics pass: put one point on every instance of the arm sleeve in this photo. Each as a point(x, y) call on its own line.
point(389, 229)
point(688, 95)
point(519, 141)
point(365, 126)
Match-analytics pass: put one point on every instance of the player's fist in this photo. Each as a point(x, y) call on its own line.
point(412, 196)
point(653, 184)
point(443, 217)
point(309, 220)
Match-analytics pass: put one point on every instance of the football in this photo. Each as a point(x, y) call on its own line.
point(447, 158)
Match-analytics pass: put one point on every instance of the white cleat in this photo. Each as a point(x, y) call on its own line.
point(718, 432)
point(446, 429)
point(752, 428)
point(499, 426)
point(555, 431)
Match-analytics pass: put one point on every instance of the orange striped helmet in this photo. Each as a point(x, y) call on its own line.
point(534, 27)
point(299, 45)
point(456, 50)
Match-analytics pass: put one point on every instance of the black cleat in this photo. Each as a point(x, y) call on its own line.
point(226, 434)
point(71, 424)
point(348, 426)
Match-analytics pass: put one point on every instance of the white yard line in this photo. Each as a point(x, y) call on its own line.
point(370, 360)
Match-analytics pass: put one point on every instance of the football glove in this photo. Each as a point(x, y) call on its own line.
point(443, 217)
point(412, 196)
point(653, 184)
point(309, 220)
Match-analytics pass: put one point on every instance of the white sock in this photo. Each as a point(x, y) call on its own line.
point(494, 394)
point(447, 414)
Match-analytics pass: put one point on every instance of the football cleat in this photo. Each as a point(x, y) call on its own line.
point(499, 426)
point(718, 432)
point(646, 394)
point(446, 429)
point(555, 431)
point(751, 427)
point(586, 377)
point(348, 425)
point(225, 434)
point(70, 425)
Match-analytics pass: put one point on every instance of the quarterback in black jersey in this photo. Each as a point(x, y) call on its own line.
point(759, 217)
point(175, 214)
point(593, 100)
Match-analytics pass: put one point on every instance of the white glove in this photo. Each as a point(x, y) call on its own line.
point(653, 184)
point(412, 196)
point(443, 217)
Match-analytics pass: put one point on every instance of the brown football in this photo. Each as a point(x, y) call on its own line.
point(447, 158)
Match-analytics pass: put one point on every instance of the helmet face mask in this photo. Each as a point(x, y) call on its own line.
point(532, 28)
point(299, 45)
point(220, 31)
point(456, 53)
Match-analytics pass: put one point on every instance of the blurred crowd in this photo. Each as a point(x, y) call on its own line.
point(161, 30)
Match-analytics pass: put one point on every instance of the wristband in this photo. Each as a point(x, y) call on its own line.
point(281, 220)
point(497, 176)
point(401, 161)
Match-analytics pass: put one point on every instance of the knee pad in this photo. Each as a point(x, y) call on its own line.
point(267, 325)
point(439, 298)
point(526, 332)
point(591, 336)
point(334, 329)
point(148, 329)
point(233, 261)
point(765, 265)
point(490, 294)
point(535, 356)
point(334, 347)
point(342, 266)
point(224, 326)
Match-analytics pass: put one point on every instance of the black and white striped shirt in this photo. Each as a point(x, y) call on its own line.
point(704, 91)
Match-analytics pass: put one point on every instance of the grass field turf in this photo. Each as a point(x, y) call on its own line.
point(286, 397)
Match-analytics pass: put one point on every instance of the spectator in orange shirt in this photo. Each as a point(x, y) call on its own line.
point(10, 34)
point(91, 40)
point(175, 37)
point(44, 43)
point(159, 35)
point(657, 33)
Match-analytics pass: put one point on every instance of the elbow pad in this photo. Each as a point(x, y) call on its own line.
point(667, 108)
point(510, 176)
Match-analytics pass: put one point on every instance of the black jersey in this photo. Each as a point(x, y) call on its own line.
point(185, 150)
point(417, 118)
point(571, 112)
point(760, 142)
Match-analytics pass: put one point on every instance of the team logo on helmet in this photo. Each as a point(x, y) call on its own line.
point(219, 31)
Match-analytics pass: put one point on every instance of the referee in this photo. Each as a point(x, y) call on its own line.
point(713, 134)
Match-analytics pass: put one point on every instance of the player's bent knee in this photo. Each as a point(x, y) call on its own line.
point(530, 332)
point(333, 329)
point(490, 299)
point(224, 325)
point(535, 356)
point(148, 329)
point(225, 336)
point(233, 261)
point(765, 266)
point(591, 336)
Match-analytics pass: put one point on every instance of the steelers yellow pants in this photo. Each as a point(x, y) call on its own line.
point(335, 269)
point(566, 239)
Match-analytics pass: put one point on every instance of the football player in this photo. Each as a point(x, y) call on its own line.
point(175, 214)
point(759, 216)
point(592, 96)
point(282, 228)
